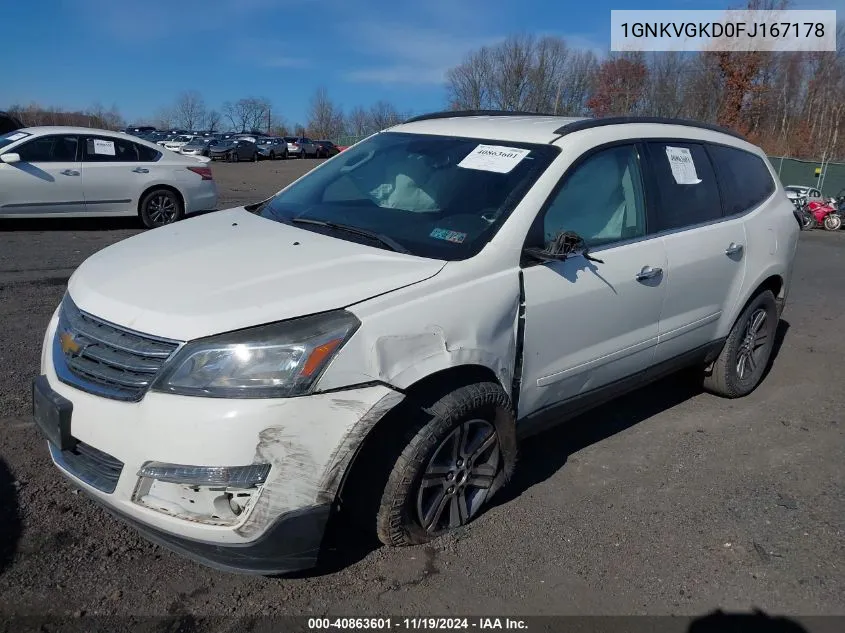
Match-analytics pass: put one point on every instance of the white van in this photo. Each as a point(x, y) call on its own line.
point(377, 336)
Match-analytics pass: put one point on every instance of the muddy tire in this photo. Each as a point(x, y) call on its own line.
point(454, 460)
point(743, 361)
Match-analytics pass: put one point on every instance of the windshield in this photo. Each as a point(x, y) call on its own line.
point(436, 196)
point(11, 137)
point(181, 139)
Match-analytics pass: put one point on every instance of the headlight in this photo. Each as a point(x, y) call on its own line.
point(270, 361)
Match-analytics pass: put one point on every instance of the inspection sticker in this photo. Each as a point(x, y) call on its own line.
point(495, 158)
point(104, 147)
point(17, 136)
point(450, 236)
point(683, 167)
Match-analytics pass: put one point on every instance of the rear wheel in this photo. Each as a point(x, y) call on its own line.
point(255, 157)
point(160, 207)
point(740, 366)
point(272, 155)
point(449, 468)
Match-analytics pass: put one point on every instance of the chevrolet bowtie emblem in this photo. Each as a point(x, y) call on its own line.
point(69, 344)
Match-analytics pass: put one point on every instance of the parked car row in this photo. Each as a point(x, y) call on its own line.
point(233, 146)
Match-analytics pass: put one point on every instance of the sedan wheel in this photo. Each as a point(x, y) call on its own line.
point(160, 207)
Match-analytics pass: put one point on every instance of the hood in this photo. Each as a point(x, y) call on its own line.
point(222, 147)
point(231, 269)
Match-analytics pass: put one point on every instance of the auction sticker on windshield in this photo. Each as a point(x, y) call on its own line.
point(17, 136)
point(495, 158)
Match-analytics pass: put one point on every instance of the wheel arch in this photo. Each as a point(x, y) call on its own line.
point(152, 188)
point(360, 486)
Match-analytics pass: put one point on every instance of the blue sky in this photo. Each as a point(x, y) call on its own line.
point(141, 55)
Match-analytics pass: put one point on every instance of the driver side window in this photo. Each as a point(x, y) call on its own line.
point(601, 200)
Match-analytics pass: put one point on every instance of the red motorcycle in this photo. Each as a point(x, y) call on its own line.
point(824, 214)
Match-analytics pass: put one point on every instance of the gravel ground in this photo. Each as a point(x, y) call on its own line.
point(669, 501)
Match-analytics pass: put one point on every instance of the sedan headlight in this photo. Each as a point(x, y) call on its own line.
point(278, 360)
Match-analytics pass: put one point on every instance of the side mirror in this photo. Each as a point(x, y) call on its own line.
point(10, 158)
point(564, 245)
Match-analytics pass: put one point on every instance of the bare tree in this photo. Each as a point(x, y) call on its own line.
point(163, 118)
point(213, 119)
point(325, 119)
point(247, 114)
point(523, 73)
point(358, 122)
point(189, 110)
point(382, 115)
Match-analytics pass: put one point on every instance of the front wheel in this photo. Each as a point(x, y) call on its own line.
point(460, 455)
point(255, 157)
point(833, 222)
point(741, 364)
point(160, 207)
point(233, 157)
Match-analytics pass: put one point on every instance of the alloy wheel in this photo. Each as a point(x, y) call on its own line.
point(162, 209)
point(458, 477)
point(752, 351)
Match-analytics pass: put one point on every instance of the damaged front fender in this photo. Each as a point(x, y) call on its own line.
point(309, 449)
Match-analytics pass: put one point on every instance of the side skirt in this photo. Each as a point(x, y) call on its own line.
point(553, 415)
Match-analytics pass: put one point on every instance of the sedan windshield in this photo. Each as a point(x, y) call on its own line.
point(11, 137)
point(433, 196)
point(182, 139)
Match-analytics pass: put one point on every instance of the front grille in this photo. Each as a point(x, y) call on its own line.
point(104, 359)
point(96, 468)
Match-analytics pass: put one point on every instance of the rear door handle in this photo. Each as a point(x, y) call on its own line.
point(649, 273)
point(733, 249)
point(141, 170)
point(69, 172)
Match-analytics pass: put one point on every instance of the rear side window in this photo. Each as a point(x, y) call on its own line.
point(744, 179)
point(117, 150)
point(687, 193)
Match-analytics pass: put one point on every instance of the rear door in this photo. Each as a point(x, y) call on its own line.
point(705, 251)
point(48, 179)
point(117, 170)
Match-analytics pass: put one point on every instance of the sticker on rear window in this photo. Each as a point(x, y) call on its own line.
point(496, 158)
point(682, 165)
point(17, 136)
point(450, 236)
point(104, 147)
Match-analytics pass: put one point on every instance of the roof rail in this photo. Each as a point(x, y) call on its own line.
point(586, 124)
point(448, 114)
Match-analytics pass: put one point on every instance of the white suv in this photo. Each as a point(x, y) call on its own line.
point(375, 337)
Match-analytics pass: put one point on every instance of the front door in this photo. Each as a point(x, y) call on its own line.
point(48, 179)
point(590, 324)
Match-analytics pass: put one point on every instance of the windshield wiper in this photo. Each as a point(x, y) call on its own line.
point(383, 239)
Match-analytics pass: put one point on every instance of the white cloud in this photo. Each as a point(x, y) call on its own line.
point(414, 55)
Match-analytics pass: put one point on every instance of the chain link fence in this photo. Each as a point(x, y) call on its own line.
point(828, 177)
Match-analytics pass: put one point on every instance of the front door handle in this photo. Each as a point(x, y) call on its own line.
point(649, 273)
point(141, 170)
point(69, 172)
point(733, 249)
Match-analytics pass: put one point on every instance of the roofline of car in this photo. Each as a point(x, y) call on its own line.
point(579, 124)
